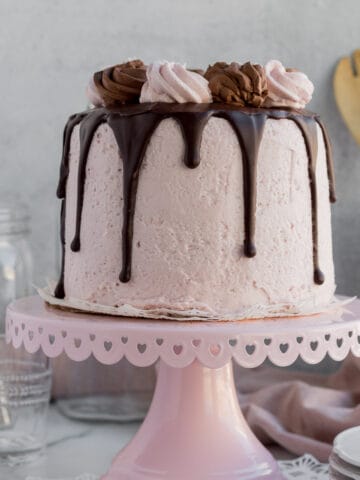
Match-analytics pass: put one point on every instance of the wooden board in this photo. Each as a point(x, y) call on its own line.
point(347, 92)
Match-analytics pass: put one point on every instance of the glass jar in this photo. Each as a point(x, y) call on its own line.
point(25, 385)
point(25, 380)
point(15, 255)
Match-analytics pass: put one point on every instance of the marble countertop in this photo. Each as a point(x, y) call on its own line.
point(76, 447)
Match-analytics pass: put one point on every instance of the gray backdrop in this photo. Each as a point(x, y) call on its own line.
point(48, 49)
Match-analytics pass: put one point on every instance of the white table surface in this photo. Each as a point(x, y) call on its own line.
point(78, 447)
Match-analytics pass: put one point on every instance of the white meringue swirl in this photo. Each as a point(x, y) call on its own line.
point(93, 94)
point(287, 87)
point(172, 83)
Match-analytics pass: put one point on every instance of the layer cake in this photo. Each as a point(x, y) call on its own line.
point(192, 195)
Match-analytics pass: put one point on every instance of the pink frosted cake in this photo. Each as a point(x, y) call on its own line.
point(196, 195)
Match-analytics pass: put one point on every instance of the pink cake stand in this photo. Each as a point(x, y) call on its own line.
point(194, 429)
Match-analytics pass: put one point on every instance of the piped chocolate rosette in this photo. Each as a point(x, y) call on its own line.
point(117, 85)
point(133, 98)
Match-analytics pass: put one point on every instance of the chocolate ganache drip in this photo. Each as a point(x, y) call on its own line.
point(88, 128)
point(308, 128)
point(132, 135)
point(133, 127)
point(59, 290)
point(61, 192)
point(249, 130)
point(192, 125)
point(64, 167)
point(329, 161)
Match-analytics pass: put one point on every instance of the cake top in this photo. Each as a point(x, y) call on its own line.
point(244, 85)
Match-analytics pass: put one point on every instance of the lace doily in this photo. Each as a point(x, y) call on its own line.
point(303, 468)
point(306, 307)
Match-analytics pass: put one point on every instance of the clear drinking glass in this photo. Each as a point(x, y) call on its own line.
point(15, 254)
point(25, 379)
point(90, 391)
point(25, 384)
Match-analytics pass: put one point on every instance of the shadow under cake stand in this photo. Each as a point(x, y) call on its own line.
point(194, 429)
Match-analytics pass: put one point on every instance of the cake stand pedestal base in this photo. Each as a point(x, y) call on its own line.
point(194, 431)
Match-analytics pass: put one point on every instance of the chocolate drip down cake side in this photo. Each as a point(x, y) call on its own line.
point(196, 195)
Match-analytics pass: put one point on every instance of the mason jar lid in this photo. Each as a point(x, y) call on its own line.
point(14, 215)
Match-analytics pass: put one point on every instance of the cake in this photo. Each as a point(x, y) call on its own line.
point(196, 195)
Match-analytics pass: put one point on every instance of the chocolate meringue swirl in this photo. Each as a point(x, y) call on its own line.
point(244, 85)
point(121, 83)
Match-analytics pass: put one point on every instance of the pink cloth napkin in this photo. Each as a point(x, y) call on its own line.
point(301, 412)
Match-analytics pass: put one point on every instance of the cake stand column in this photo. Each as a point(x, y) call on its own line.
point(194, 430)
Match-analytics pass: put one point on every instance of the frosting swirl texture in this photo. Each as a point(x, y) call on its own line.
point(287, 87)
point(244, 85)
point(118, 84)
point(172, 83)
